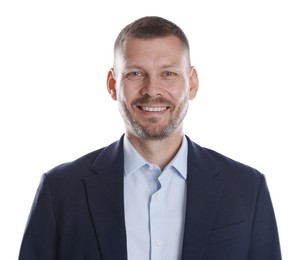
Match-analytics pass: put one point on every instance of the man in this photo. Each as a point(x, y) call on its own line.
point(154, 194)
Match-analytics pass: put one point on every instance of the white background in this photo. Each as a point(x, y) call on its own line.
point(54, 58)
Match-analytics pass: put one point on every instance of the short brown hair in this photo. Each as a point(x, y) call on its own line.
point(150, 27)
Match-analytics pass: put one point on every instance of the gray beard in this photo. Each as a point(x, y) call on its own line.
point(154, 133)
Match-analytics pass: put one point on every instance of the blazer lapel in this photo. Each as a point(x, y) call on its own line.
point(106, 202)
point(203, 198)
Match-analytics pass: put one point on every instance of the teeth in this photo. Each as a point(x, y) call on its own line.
point(154, 109)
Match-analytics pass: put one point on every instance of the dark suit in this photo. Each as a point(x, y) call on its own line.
point(78, 212)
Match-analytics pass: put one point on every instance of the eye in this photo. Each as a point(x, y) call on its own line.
point(135, 75)
point(168, 74)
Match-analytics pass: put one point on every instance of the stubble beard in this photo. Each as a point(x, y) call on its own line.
point(154, 132)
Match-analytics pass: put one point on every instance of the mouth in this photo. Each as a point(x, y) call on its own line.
point(153, 108)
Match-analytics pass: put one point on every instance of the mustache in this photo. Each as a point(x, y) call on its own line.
point(147, 100)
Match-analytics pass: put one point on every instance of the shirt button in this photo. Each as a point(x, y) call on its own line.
point(158, 242)
point(158, 196)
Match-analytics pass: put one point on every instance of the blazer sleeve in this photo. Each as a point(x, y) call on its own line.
point(264, 237)
point(39, 239)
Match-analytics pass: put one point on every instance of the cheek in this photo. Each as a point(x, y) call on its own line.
point(180, 92)
point(125, 95)
point(129, 91)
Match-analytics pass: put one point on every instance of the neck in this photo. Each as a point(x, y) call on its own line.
point(159, 152)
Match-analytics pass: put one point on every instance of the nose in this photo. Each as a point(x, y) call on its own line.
point(152, 87)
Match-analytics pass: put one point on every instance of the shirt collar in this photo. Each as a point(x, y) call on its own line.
point(133, 160)
point(179, 162)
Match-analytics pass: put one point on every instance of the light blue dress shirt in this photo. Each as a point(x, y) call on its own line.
point(155, 205)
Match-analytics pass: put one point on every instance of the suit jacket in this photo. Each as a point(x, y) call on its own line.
point(78, 211)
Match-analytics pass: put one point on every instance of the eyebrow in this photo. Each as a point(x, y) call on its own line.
point(165, 66)
point(131, 66)
point(170, 66)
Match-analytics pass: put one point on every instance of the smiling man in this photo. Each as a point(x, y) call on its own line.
point(154, 194)
point(153, 81)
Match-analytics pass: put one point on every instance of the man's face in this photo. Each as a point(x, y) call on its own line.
point(153, 81)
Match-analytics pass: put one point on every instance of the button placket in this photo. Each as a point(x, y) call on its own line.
point(156, 219)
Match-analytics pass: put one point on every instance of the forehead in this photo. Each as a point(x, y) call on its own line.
point(168, 48)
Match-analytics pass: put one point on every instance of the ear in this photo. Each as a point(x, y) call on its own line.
point(193, 83)
point(111, 84)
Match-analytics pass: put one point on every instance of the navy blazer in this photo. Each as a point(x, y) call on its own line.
point(78, 211)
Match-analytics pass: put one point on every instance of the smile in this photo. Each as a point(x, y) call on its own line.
point(153, 109)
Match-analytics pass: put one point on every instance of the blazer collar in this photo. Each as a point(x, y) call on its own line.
point(203, 199)
point(106, 201)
